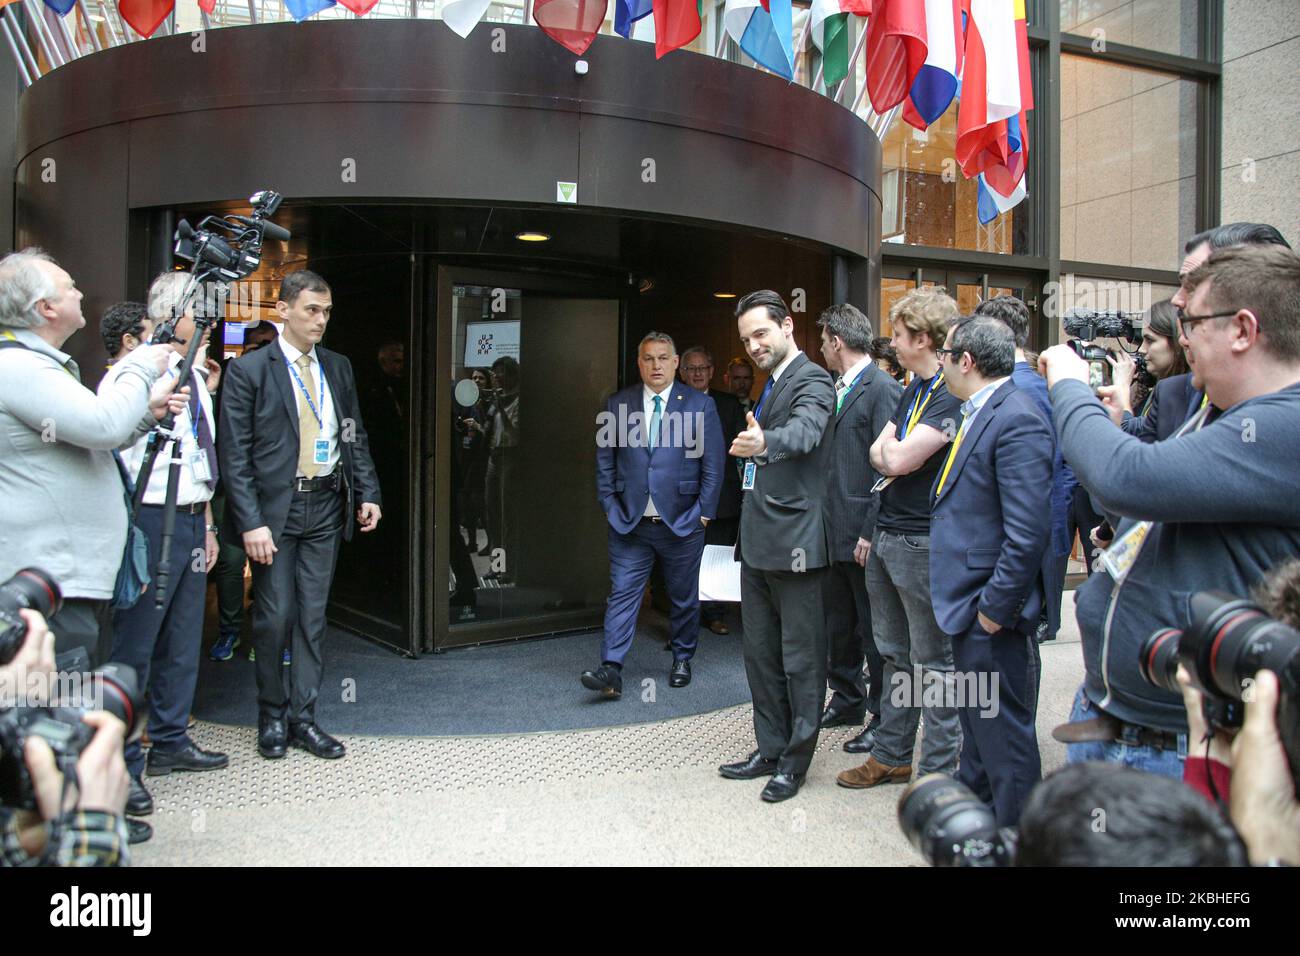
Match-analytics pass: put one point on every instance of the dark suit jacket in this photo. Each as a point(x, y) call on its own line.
point(990, 526)
point(1173, 401)
point(684, 476)
point(851, 508)
point(732, 416)
point(258, 439)
point(783, 519)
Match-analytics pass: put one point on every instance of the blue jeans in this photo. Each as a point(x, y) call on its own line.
point(1167, 763)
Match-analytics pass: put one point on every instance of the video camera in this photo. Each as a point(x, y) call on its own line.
point(1229, 640)
point(1087, 326)
point(950, 826)
point(60, 724)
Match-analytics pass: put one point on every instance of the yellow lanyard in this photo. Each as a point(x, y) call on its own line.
point(952, 455)
point(919, 409)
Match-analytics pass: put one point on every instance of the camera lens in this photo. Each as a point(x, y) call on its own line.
point(1231, 639)
point(949, 825)
point(1158, 659)
point(30, 588)
point(122, 697)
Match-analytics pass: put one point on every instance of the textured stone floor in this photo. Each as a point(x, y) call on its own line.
point(641, 794)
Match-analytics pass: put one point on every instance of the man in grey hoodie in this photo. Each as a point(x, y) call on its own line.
point(64, 510)
point(1214, 506)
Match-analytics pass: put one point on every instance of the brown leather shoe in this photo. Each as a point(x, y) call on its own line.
point(717, 627)
point(871, 773)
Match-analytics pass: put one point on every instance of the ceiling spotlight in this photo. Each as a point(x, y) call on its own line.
point(532, 236)
point(724, 295)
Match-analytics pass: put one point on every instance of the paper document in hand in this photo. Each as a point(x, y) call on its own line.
point(719, 574)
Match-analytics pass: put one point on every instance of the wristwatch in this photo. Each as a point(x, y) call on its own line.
point(213, 529)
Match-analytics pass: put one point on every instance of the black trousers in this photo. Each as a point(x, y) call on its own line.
point(850, 644)
point(292, 592)
point(81, 627)
point(1083, 518)
point(229, 573)
point(785, 661)
point(719, 531)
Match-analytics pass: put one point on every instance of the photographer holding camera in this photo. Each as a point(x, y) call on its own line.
point(85, 827)
point(1213, 506)
point(64, 506)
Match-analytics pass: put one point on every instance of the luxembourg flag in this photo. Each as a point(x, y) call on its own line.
point(830, 31)
point(763, 30)
point(1003, 175)
point(990, 84)
point(992, 203)
point(935, 86)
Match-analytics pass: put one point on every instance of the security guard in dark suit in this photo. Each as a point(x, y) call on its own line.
point(299, 479)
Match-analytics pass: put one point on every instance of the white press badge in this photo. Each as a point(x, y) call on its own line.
point(322, 453)
point(747, 482)
point(198, 461)
point(1119, 557)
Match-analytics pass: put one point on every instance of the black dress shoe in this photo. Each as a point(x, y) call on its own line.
point(137, 831)
point(186, 757)
point(834, 717)
point(782, 786)
point(680, 675)
point(864, 742)
point(272, 737)
point(752, 767)
point(314, 740)
point(605, 679)
point(138, 801)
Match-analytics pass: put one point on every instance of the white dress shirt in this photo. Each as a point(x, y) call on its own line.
point(329, 424)
point(188, 490)
point(648, 406)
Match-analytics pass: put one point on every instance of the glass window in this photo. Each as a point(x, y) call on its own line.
point(1168, 26)
point(1128, 164)
point(927, 201)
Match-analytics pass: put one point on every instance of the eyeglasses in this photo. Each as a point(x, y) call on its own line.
point(955, 353)
point(696, 368)
point(1184, 319)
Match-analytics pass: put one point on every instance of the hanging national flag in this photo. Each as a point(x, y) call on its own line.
point(359, 7)
point(61, 7)
point(830, 31)
point(300, 10)
point(571, 23)
point(992, 204)
point(145, 16)
point(990, 84)
point(763, 31)
point(1004, 175)
point(207, 6)
point(463, 15)
point(936, 85)
point(896, 51)
point(627, 13)
point(677, 23)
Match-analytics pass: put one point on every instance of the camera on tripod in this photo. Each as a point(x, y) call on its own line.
point(1228, 642)
point(114, 688)
point(1087, 326)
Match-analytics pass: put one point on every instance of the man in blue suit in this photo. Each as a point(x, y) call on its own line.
point(989, 527)
point(659, 461)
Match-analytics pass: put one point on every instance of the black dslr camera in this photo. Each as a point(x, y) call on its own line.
point(113, 688)
point(1229, 640)
point(950, 826)
point(1088, 326)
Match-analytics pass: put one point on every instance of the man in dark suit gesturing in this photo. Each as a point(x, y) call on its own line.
point(299, 478)
point(865, 397)
point(783, 547)
point(989, 528)
point(659, 461)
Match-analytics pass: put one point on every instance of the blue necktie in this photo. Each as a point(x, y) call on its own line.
point(656, 420)
point(767, 390)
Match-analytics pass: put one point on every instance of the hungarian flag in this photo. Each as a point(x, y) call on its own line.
point(763, 30)
point(677, 23)
point(896, 51)
point(463, 15)
point(830, 31)
point(359, 7)
point(300, 10)
point(145, 16)
point(571, 23)
point(990, 84)
point(626, 14)
point(935, 86)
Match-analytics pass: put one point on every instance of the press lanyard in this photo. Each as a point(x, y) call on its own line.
point(952, 455)
point(194, 419)
point(914, 413)
point(848, 387)
point(307, 395)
